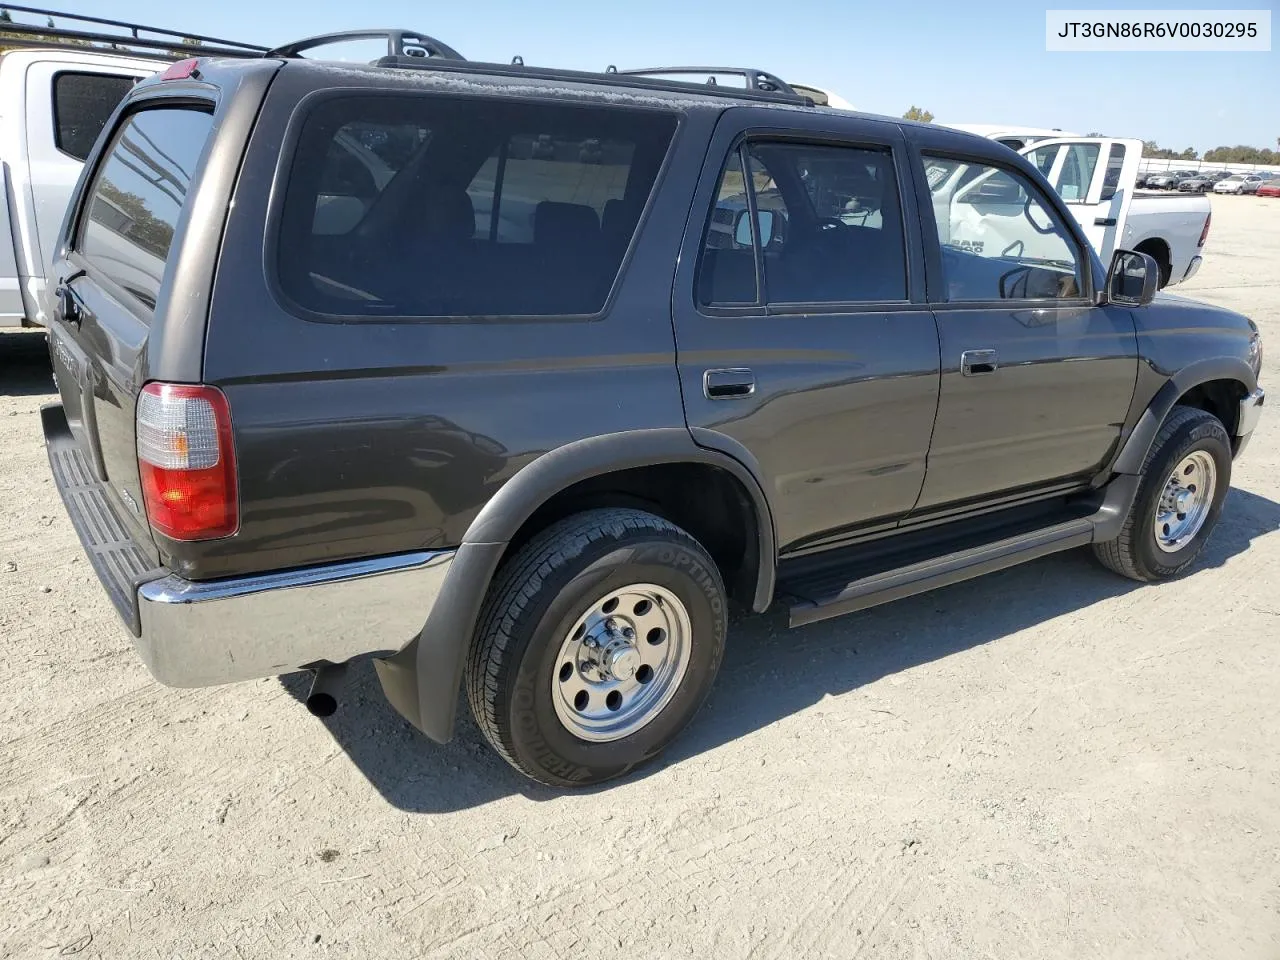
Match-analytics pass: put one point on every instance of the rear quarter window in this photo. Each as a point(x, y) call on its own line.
point(137, 195)
point(449, 207)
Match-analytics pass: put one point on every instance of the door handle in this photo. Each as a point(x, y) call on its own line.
point(728, 383)
point(69, 305)
point(978, 363)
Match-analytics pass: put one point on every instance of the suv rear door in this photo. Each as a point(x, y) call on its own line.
point(805, 344)
point(1096, 178)
point(111, 279)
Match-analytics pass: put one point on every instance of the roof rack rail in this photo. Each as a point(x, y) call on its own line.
point(400, 43)
point(611, 77)
point(761, 80)
point(163, 44)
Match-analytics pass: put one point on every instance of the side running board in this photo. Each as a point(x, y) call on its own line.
point(821, 596)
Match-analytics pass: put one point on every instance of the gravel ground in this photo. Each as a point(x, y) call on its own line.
point(1047, 762)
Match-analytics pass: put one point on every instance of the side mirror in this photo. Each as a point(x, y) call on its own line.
point(742, 228)
point(1132, 279)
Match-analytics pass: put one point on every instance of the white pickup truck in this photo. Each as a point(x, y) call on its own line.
point(59, 86)
point(53, 105)
point(1098, 177)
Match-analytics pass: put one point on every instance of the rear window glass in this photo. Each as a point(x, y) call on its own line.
point(426, 207)
point(138, 194)
point(82, 105)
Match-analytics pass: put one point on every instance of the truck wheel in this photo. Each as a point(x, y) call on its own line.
point(596, 645)
point(1184, 482)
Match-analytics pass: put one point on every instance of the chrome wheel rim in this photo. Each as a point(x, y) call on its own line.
point(1185, 502)
point(621, 663)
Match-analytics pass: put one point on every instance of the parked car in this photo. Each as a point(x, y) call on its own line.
point(1268, 188)
point(1198, 184)
point(64, 92)
point(1170, 179)
point(1238, 183)
point(537, 466)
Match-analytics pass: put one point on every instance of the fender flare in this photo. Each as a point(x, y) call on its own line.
point(423, 679)
point(1134, 452)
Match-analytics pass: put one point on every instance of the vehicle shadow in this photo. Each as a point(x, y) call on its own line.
point(24, 364)
point(769, 672)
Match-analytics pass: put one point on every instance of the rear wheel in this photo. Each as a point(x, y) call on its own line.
point(596, 645)
point(1184, 482)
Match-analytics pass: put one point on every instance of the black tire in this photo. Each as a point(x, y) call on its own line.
point(532, 605)
point(1135, 553)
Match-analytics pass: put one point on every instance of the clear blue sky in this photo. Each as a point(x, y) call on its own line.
point(975, 63)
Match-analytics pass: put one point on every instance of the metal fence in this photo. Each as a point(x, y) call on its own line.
point(1149, 165)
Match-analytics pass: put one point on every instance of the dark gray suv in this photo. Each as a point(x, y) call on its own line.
point(512, 378)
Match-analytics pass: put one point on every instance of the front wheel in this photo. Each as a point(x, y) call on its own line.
point(1184, 483)
point(597, 643)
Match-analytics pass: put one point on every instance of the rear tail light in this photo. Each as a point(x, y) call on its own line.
point(1204, 234)
point(186, 461)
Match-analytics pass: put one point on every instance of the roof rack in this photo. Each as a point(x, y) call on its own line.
point(760, 80)
point(400, 43)
point(159, 44)
point(406, 49)
point(613, 77)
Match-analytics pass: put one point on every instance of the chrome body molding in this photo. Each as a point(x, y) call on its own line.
point(199, 634)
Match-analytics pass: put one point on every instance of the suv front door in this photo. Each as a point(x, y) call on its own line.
point(1036, 378)
point(804, 342)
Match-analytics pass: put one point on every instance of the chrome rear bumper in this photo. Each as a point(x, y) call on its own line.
point(198, 634)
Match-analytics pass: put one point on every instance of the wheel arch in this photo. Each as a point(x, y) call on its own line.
point(509, 510)
point(1208, 384)
point(1158, 248)
point(423, 680)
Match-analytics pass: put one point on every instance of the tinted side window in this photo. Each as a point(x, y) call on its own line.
point(829, 228)
point(82, 105)
point(727, 271)
point(590, 173)
point(359, 162)
point(1000, 240)
point(137, 196)
point(435, 206)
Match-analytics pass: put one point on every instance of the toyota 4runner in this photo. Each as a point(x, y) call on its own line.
point(511, 378)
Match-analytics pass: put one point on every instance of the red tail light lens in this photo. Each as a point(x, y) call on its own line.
point(186, 460)
point(1204, 234)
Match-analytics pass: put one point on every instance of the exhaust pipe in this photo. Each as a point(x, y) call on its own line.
point(322, 701)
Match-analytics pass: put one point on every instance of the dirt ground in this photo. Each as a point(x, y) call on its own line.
point(1047, 762)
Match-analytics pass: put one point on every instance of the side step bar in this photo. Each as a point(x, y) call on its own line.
point(944, 570)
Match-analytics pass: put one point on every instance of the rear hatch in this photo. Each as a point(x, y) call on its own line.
point(108, 308)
